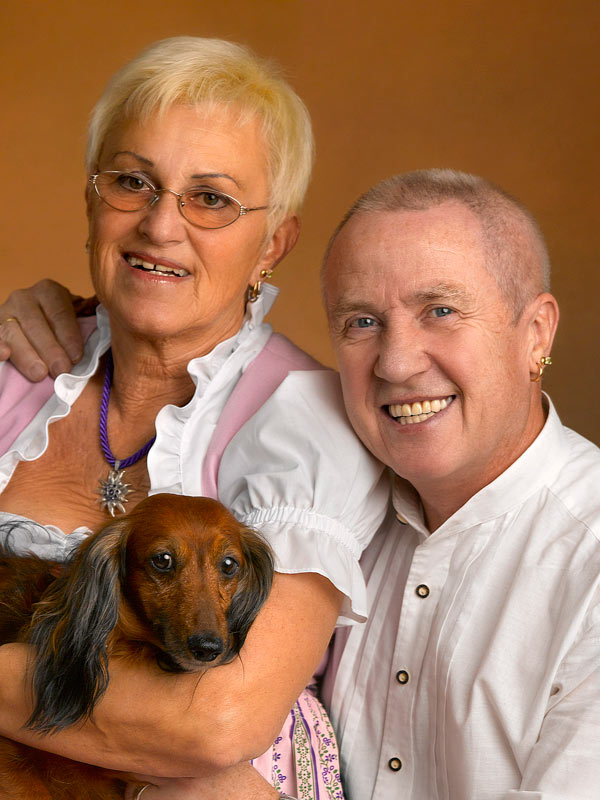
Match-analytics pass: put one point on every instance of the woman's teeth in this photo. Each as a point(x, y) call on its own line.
point(410, 413)
point(139, 263)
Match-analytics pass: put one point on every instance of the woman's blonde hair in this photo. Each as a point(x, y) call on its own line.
point(192, 70)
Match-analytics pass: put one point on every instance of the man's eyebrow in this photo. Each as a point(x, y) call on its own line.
point(442, 291)
point(350, 306)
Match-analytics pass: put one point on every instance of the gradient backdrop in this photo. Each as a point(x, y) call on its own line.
point(505, 89)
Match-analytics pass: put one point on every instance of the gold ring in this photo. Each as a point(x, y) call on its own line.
point(142, 790)
point(9, 319)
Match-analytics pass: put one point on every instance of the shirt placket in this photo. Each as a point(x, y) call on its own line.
point(402, 745)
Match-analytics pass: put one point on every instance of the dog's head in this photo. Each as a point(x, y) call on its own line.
point(177, 576)
point(193, 580)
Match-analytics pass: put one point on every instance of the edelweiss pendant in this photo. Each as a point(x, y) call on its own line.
point(113, 492)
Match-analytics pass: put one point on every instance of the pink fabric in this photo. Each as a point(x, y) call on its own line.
point(303, 761)
point(263, 375)
point(20, 399)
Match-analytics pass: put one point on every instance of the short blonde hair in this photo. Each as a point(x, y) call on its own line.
point(516, 253)
point(192, 70)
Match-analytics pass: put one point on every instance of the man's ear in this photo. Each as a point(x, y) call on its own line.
point(543, 315)
point(278, 246)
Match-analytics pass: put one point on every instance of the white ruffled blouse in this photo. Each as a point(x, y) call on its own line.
point(295, 470)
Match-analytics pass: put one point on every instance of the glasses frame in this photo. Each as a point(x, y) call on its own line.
point(242, 210)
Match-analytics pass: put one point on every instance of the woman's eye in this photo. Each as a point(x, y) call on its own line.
point(133, 183)
point(229, 566)
point(441, 311)
point(207, 199)
point(163, 562)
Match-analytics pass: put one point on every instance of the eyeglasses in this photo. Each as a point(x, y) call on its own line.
point(203, 207)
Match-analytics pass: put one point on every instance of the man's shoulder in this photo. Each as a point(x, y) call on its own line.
point(576, 486)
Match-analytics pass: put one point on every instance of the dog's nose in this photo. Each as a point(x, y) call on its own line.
point(205, 646)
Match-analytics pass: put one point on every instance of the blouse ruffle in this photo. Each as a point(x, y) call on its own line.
point(295, 471)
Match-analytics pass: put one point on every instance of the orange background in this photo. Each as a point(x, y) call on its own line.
point(506, 89)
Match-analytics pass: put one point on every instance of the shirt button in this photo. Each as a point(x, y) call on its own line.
point(402, 676)
point(422, 590)
point(401, 519)
point(395, 764)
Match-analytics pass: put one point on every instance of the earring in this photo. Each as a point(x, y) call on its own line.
point(545, 361)
point(254, 292)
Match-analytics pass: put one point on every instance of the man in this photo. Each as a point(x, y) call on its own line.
point(477, 674)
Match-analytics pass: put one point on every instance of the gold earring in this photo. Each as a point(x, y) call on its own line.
point(254, 291)
point(545, 361)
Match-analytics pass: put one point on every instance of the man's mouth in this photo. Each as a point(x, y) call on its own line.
point(419, 411)
point(146, 266)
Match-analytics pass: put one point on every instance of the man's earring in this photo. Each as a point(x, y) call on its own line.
point(545, 361)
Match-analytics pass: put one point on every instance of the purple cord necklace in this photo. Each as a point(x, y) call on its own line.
point(113, 492)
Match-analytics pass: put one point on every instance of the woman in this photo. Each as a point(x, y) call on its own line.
point(199, 157)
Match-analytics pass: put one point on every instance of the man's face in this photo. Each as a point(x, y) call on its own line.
point(435, 374)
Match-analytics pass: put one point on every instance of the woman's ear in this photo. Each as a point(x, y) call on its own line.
point(281, 241)
point(543, 315)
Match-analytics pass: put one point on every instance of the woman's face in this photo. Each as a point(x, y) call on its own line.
point(202, 299)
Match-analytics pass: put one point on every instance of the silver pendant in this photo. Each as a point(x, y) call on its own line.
point(113, 492)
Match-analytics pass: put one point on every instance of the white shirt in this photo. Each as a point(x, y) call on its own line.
point(295, 470)
point(485, 682)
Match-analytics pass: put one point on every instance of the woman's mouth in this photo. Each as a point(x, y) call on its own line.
point(160, 268)
point(419, 411)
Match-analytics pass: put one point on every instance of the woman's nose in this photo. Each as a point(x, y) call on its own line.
point(162, 221)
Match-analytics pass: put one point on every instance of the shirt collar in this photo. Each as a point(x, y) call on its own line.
point(537, 467)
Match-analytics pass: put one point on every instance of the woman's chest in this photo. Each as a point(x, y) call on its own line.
point(67, 485)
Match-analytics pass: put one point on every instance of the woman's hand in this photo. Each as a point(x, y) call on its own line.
point(241, 782)
point(39, 331)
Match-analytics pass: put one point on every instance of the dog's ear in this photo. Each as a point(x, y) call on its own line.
point(253, 587)
point(69, 631)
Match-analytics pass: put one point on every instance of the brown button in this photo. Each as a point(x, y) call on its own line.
point(395, 764)
point(402, 676)
point(401, 519)
point(422, 590)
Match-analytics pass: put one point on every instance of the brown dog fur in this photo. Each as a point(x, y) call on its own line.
point(177, 581)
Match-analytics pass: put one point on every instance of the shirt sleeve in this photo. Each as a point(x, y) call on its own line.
point(297, 473)
point(565, 761)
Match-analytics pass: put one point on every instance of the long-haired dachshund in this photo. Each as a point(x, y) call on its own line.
point(177, 580)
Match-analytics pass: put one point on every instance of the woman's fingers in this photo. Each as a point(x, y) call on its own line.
point(39, 330)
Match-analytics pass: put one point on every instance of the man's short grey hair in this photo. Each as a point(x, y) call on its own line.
point(516, 253)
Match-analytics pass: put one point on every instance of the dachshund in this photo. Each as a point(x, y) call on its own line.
point(178, 581)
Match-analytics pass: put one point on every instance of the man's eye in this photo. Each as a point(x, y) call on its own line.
point(441, 311)
point(363, 322)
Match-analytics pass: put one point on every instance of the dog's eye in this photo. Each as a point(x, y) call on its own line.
point(162, 561)
point(229, 566)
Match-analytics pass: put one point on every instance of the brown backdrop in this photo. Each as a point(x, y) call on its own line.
point(505, 89)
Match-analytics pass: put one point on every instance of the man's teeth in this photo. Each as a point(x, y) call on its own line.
point(409, 413)
point(140, 264)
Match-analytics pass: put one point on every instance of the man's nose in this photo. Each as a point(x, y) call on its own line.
point(402, 354)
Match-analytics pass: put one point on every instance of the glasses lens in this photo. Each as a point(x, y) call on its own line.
point(124, 191)
point(209, 209)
